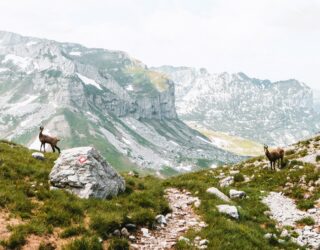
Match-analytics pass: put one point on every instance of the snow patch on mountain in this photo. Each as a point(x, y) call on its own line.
point(89, 81)
point(75, 53)
point(22, 62)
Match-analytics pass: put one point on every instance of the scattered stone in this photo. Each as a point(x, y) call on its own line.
point(269, 236)
point(117, 233)
point(132, 238)
point(283, 210)
point(236, 194)
point(85, 173)
point(218, 193)
point(182, 238)
point(267, 213)
point(233, 172)
point(145, 232)
point(229, 210)
point(203, 247)
point(284, 233)
point(198, 238)
point(124, 232)
point(203, 242)
point(197, 203)
point(226, 182)
point(160, 219)
point(131, 173)
point(38, 156)
point(168, 216)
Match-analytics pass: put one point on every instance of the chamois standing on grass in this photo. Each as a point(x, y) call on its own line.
point(274, 156)
point(48, 139)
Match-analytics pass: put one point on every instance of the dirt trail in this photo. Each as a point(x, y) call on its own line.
point(179, 221)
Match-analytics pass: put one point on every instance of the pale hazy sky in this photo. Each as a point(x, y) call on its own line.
point(274, 39)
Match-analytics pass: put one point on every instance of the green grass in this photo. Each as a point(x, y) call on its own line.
point(247, 233)
point(306, 221)
point(24, 192)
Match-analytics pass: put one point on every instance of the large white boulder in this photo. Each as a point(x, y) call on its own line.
point(218, 193)
point(234, 194)
point(85, 173)
point(232, 211)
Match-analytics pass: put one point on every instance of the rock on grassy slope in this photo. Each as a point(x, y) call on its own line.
point(44, 214)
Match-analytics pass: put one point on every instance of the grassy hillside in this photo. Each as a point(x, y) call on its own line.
point(25, 194)
point(233, 144)
point(87, 224)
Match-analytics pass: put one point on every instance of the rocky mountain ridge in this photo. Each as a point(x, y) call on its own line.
point(268, 112)
point(96, 97)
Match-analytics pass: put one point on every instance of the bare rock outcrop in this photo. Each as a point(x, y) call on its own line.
point(85, 173)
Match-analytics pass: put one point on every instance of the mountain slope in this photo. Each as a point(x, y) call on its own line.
point(57, 218)
point(267, 112)
point(95, 96)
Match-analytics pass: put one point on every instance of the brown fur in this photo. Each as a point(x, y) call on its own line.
point(274, 156)
point(48, 139)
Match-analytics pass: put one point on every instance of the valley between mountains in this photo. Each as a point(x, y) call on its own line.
point(152, 157)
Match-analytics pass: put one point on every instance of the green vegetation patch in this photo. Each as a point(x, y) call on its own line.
point(24, 192)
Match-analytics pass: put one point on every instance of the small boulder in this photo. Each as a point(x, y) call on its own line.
point(218, 193)
point(132, 238)
point(160, 219)
point(85, 173)
point(234, 194)
point(145, 232)
point(226, 182)
point(124, 232)
point(117, 233)
point(284, 233)
point(181, 238)
point(38, 156)
point(197, 203)
point(203, 242)
point(232, 211)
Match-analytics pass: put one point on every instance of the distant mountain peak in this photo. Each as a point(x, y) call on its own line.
point(268, 112)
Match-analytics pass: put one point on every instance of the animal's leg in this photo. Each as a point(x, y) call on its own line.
point(58, 149)
point(53, 148)
point(270, 165)
point(44, 147)
point(40, 146)
point(274, 165)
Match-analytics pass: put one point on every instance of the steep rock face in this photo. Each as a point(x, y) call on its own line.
point(96, 97)
point(269, 112)
point(119, 83)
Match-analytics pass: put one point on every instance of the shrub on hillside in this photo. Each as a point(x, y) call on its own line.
point(238, 177)
point(306, 221)
point(118, 244)
point(84, 244)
